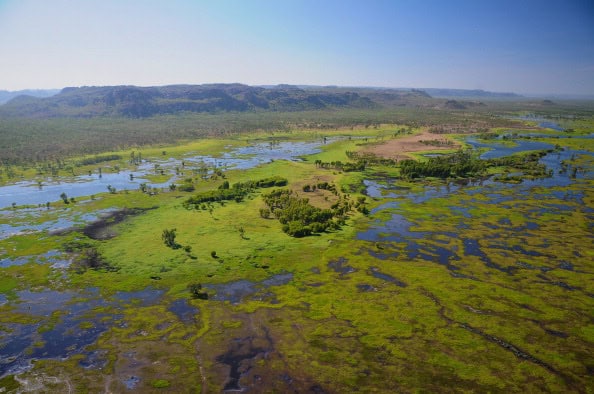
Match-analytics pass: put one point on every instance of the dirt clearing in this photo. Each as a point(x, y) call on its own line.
point(399, 148)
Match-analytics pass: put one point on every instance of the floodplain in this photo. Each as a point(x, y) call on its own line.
point(479, 280)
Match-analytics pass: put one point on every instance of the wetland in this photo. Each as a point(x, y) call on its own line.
point(477, 280)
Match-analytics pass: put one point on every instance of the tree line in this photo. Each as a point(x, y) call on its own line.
point(236, 192)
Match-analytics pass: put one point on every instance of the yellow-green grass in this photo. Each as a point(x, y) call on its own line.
point(325, 330)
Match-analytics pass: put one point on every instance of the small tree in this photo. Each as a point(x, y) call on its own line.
point(64, 198)
point(168, 237)
point(196, 291)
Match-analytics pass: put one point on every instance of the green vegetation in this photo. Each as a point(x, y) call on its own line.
point(343, 272)
point(299, 218)
point(465, 164)
point(462, 164)
point(168, 237)
point(237, 192)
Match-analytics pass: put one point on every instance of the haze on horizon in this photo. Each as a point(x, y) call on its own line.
point(526, 47)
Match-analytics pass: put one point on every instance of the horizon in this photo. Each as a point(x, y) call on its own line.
point(528, 49)
point(569, 96)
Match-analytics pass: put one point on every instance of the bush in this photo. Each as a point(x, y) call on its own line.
point(168, 237)
point(196, 291)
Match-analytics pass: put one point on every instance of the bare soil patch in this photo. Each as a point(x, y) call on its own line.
point(399, 148)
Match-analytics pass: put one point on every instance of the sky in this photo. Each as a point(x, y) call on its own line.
point(526, 47)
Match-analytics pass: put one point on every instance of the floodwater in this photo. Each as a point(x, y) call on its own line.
point(501, 150)
point(31, 193)
point(397, 236)
point(20, 221)
point(64, 324)
point(234, 292)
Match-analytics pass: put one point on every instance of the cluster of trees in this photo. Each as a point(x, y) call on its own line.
point(236, 192)
point(86, 256)
point(298, 216)
point(442, 142)
point(466, 164)
point(370, 158)
point(322, 186)
point(340, 166)
point(528, 163)
point(463, 163)
point(300, 219)
point(98, 159)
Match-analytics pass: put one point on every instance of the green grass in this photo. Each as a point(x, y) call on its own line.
point(322, 328)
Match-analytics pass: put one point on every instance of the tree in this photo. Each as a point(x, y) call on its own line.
point(64, 198)
point(196, 291)
point(168, 237)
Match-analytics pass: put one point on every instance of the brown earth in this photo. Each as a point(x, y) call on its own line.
point(399, 148)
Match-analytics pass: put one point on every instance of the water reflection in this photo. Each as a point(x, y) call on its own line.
point(29, 193)
point(61, 324)
point(398, 231)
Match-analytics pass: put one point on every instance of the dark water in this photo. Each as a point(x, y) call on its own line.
point(388, 278)
point(184, 311)
point(234, 292)
point(67, 322)
point(399, 230)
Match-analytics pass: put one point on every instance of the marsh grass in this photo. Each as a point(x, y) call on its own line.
point(321, 328)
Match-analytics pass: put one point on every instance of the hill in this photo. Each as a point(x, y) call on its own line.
point(142, 102)
point(465, 93)
point(6, 95)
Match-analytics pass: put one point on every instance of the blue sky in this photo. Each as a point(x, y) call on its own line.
point(539, 47)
